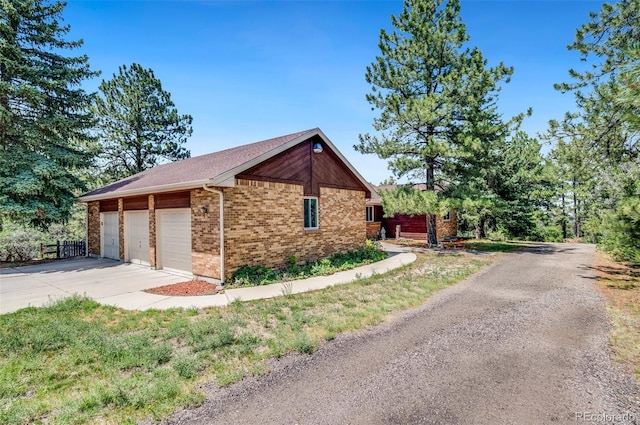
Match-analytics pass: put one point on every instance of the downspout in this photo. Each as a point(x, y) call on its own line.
point(221, 202)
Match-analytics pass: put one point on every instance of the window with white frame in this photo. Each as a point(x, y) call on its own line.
point(447, 216)
point(369, 214)
point(310, 213)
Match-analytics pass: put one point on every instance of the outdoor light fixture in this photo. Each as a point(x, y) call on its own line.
point(204, 209)
point(317, 147)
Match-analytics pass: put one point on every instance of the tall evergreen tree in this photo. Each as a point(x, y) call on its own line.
point(43, 113)
point(138, 123)
point(600, 142)
point(427, 86)
point(501, 187)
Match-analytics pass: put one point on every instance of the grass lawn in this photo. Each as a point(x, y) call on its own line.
point(77, 361)
point(472, 244)
point(620, 284)
point(495, 246)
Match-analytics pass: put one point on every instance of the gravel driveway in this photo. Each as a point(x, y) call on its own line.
point(523, 342)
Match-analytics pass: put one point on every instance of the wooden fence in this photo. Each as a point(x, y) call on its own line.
point(64, 249)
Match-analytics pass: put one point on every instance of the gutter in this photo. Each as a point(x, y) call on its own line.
point(142, 191)
point(221, 202)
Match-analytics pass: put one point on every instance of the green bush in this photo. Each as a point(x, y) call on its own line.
point(18, 243)
point(552, 234)
point(619, 231)
point(499, 235)
point(22, 243)
point(259, 275)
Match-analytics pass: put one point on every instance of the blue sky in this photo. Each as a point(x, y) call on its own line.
point(251, 70)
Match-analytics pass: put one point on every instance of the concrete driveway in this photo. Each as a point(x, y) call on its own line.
point(100, 279)
point(120, 284)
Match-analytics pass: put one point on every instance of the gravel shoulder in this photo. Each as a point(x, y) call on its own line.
point(522, 342)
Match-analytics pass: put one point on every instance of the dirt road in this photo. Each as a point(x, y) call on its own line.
point(523, 342)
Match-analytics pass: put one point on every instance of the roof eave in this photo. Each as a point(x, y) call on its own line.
point(228, 178)
point(144, 191)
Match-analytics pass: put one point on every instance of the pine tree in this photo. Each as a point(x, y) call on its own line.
point(598, 145)
point(43, 113)
point(427, 87)
point(139, 125)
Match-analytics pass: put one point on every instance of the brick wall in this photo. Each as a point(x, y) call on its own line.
point(152, 231)
point(205, 234)
point(372, 228)
point(121, 227)
point(93, 228)
point(447, 228)
point(264, 224)
point(342, 220)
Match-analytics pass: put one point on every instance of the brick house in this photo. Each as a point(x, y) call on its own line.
point(411, 226)
point(256, 204)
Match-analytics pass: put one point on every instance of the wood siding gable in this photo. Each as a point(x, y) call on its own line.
point(300, 165)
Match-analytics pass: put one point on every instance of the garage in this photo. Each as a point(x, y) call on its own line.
point(136, 233)
point(110, 247)
point(174, 240)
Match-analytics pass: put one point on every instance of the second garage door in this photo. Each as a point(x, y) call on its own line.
point(174, 240)
point(137, 236)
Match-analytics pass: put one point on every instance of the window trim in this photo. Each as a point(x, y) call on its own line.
point(447, 216)
point(304, 212)
point(366, 214)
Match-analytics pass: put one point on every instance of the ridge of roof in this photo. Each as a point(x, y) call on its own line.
point(217, 168)
point(194, 171)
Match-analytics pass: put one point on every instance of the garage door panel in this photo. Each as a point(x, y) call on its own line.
point(110, 235)
point(174, 240)
point(137, 237)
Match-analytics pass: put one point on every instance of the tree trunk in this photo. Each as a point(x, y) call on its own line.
point(575, 211)
point(579, 219)
point(480, 233)
point(432, 235)
point(564, 219)
point(432, 238)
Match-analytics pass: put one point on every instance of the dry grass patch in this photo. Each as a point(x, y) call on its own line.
point(620, 284)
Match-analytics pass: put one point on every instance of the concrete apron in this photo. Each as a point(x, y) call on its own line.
point(121, 284)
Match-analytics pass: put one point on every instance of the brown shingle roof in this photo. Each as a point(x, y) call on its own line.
point(196, 170)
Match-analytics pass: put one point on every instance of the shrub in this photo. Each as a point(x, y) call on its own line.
point(292, 265)
point(620, 231)
point(18, 243)
point(259, 275)
point(552, 234)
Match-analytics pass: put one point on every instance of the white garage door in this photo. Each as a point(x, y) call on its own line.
point(137, 236)
point(174, 240)
point(110, 235)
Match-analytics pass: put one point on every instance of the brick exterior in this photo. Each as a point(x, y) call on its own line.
point(447, 228)
point(93, 228)
point(152, 231)
point(205, 234)
point(372, 229)
point(264, 224)
point(341, 216)
point(121, 227)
